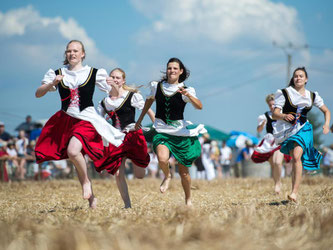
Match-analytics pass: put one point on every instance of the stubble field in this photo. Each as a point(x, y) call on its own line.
point(226, 214)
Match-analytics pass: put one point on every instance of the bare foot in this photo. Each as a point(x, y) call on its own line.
point(87, 191)
point(292, 197)
point(277, 188)
point(188, 203)
point(165, 184)
point(92, 202)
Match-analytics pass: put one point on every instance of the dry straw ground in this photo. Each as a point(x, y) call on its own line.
point(232, 214)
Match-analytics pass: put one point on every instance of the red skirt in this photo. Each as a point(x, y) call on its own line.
point(60, 128)
point(134, 148)
point(287, 158)
point(262, 157)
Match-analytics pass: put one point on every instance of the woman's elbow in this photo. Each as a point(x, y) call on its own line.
point(39, 93)
point(275, 116)
point(199, 107)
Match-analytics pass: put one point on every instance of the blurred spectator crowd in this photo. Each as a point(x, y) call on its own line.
point(17, 157)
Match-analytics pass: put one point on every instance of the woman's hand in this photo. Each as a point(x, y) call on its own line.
point(288, 117)
point(44, 88)
point(57, 79)
point(183, 91)
point(327, 114)
point(110, 81)
point(326, 129)
point(261, 126)
point(195, 101)
point(137, 126)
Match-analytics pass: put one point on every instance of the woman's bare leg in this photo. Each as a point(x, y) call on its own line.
point(75, 155)
point(276, 162)
point(163, 154)
point(139, 172)
point(296, 154)
point(186, 183)
point(122, 185)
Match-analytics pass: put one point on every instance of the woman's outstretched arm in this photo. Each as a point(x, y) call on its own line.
point(144, 111)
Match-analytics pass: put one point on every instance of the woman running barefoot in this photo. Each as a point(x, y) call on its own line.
point(120, 107)
point(173, 133)
point(268, 150)
point(293, 131)
point(76, 129)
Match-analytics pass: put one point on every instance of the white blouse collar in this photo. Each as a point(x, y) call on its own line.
point(294, 91)
point(181, 84)
point(84, 68)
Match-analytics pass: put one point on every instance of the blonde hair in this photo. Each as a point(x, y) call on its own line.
point(126, 87)
point(269, 98)
point(82, 46)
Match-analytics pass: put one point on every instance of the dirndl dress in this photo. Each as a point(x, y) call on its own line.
point(134, 147)
point(57, 132)
point(304, 137)
point(185, 149)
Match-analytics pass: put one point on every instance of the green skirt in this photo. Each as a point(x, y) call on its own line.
point(185, 149)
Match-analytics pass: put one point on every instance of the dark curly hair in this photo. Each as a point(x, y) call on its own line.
point(183, 76)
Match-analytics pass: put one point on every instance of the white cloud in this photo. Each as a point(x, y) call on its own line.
point(14, 22)
point(30, 35)
point(222, 21)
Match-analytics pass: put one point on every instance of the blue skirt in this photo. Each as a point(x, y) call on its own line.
point(304, 137)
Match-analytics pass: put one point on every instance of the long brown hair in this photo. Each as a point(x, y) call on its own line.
point(183, 76)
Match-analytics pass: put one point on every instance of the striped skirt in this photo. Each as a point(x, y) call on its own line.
point(304, 137)
point(185, 149)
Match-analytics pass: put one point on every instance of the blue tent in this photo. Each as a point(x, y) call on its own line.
point(238, 139)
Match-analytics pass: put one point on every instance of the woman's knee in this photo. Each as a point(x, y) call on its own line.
point(163, 160)
point(72, 152)
point(183, 171)
point(296, 159)
point(139, 175)
point(184, 175)
point(139, 172)
point(74, 147)
point(163, 154)
point(277, 162)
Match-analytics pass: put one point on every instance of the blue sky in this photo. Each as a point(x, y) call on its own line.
point(227, 45)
